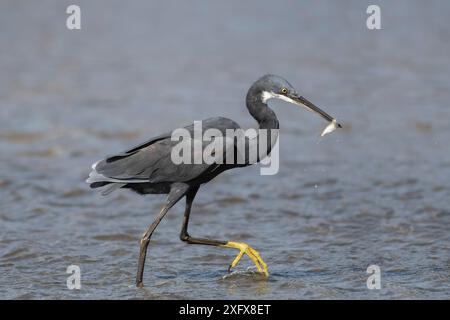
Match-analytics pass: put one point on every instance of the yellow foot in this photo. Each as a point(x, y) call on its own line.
point(251, 253)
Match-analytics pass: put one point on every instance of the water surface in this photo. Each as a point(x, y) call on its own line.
point(376, 192)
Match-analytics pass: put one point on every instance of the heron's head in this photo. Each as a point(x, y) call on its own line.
point(275, 87)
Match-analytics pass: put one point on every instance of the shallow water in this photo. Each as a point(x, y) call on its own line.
point(376, 192)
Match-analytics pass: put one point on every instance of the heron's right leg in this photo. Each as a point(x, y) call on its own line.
point(242, 247)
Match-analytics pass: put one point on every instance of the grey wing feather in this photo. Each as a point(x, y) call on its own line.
point(151, 161)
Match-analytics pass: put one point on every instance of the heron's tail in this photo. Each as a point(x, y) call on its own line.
point(98, 180)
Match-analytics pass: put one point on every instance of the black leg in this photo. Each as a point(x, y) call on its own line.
point(177, 191)
point(242, 247)
point(184, 235)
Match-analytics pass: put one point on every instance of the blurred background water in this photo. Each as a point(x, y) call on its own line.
point(376, 192)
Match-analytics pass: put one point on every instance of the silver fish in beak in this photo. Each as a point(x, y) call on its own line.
point(303, 102)
point(331, 127)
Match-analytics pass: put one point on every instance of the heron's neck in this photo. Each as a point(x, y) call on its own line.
point(259, 110)
point(266, 119)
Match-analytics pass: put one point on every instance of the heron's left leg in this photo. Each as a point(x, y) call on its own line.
point(242, 247)
point(177, 191)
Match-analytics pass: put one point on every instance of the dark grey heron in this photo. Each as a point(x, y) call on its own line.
point(149, 169)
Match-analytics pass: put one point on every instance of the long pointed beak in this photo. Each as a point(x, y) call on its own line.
point(303, 102)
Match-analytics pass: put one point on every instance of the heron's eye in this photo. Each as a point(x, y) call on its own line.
point(284, 91)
